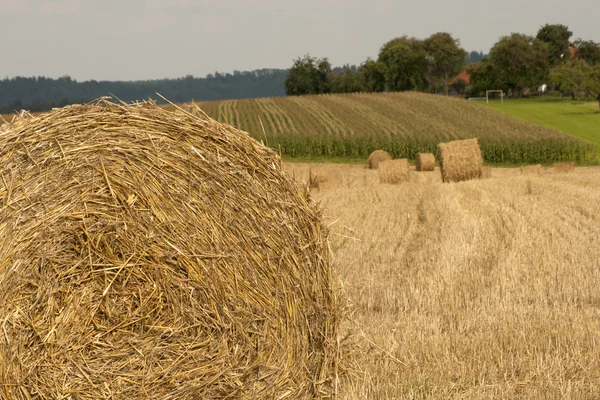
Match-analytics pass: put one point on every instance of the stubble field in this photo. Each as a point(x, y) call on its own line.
point(484, 289)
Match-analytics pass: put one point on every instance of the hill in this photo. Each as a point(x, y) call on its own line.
point(579, 119)
point(353, 125)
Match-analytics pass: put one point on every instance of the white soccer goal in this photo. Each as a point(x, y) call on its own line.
point(487, 98)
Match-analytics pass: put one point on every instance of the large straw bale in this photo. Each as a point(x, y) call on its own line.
point(150, 254)
point(563, 167)
point(531, 169)
point(460, 160)
point(425, 162)
point(394, 171)
point(377, 157)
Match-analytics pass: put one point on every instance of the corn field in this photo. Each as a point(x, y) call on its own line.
point(403, 124)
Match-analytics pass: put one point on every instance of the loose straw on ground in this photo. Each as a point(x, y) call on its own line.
point(531, 169)
point(563, 167)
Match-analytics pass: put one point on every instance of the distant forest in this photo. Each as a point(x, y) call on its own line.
point(42, 94)
point(475, 57)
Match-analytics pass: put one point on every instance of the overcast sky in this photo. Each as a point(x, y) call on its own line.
point(153, 39)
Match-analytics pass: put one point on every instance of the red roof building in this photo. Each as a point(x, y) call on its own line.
point(572, 50)
point(464, 75)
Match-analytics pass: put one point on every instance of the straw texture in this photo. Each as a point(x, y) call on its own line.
point(563, 167)
point(460, 160)
point(486, 172)
point(425, 162)
point(394, 171)
point(531, 169)
point(377, 157)
point(317, 176)
point(150, 254)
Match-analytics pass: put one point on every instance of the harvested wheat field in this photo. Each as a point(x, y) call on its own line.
point(150, 254)
point(532, 169)
point(485, 289)
point(563, 167)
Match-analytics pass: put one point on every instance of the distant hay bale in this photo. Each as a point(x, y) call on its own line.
point(425, 162)
point(460, 160)
point(394, 171)
point(486, 172)
point(563, 167)
point(377, 157)
point(154, 254)
point(531, 169)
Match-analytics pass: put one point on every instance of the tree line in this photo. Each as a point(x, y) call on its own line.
point(42, 94)
point(518, 62)
point(404, 63)
point(515, 63)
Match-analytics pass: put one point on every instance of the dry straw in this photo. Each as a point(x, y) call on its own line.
point(150, 254)
point(394, 171)
point(486, 172)
point(563, 167)
point(377, 157)
point(531, 169)
point(460, 160)
point(425, 162)
point(317, 177)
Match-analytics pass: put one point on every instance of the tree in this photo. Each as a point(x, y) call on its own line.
point(445, 58)
point(572, 76)
point(405, 64)
point(594, 83)
point(557, 38)
point(321, 78)
point(578, 76)
point(371, 75)
point(484, 76)
point(308, 75)
point(587, 50)
point(520, 61)
point(345, 80)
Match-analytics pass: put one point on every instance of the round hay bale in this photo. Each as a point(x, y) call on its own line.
point(425, 162)
point(146, 253)
point(377, 157)
point(460, 160)
point(394, 171)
